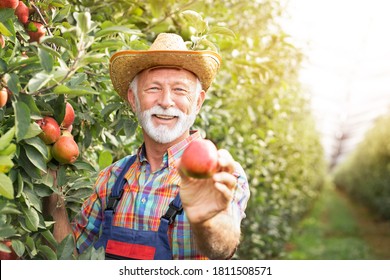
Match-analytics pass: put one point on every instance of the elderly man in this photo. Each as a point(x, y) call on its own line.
point(142, 206)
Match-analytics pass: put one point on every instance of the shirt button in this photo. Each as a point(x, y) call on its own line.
point(143, 200)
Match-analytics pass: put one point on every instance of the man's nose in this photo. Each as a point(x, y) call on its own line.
point(166, 100)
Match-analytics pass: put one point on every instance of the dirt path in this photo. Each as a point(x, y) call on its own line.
point(375, 231)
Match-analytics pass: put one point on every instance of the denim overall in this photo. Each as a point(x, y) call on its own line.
point(124, 243)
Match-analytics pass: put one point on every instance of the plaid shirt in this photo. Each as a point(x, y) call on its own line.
point(145, 199)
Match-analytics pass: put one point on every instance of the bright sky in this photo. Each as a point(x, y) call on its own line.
point(347, 71)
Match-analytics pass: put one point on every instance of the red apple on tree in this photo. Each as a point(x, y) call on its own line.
point(8, 255)
point(65, 150)
point(199, 159)
point(69, 116)
point(50, 130)
point(22, 12)
point(2, 41)
point(36, 31)
point(3, 97)
point(9, 4)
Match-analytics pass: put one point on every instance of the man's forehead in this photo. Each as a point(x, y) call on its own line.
point(157, 68)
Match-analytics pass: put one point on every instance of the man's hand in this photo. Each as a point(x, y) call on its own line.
point(203, 199)
point(208, 207)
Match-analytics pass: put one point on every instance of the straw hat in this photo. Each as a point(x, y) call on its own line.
point(167, 50)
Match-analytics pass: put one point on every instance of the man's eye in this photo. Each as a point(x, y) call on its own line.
point(182, 90)
point(153, 89)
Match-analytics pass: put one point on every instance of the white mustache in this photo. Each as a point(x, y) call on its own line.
point(172, 112)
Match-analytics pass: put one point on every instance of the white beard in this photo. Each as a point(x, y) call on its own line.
point(162, 133)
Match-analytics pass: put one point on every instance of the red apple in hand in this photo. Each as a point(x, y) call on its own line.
point(50, 130)
point(9, 4)
point(22, 12)
point(199, 159)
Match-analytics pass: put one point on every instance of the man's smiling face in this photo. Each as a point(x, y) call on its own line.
point(166, 102)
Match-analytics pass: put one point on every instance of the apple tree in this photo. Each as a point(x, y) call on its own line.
point(48, 64)
point(60, 56)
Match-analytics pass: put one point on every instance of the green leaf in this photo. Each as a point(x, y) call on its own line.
point(4, 30)
point(33, 199)
point(9, 151)
point(7, 231)
point(106, 44)
point(61, 176)
point(62, 13)
point(220, 30)
point(6, 188)
point(129, 126)
point(30, 102)
point(48, 235)
point(48, 179)
point(66, 248)
point(58, 41)
point(38, 144)
point(82, 165)
point(109, 108)
point(31, 245)
point(47, 252)
point(6, 164)
point(46, 60)
point(6, 14)
point(36, 158)
point(195, 20)
point(117, 29)
point(78, 91)
point(20, 184)
point(27, 166)
point(105, 159)
point(4, 248)
point(77, 79)
point(12, 81)
point(22, 119)
point(18, 247)
point(49, 50)
point(92, 58)
point(33, 130)
point(6, 139)
point(208, 44)
point(3, 65)
point(83, 21)
point(32, 218)
point(38, 81)
point(59, 108)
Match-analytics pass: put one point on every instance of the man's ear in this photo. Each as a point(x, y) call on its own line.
point(131, 99)
point(199, 102)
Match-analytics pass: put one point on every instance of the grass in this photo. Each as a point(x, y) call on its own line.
point(329, 232)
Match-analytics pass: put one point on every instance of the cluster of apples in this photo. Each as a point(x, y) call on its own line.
point(34, 29)
point(58, 138)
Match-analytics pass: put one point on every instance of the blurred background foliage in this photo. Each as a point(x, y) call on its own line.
point(255, 109)
point(365, 174)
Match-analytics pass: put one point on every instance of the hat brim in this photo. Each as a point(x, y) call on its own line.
point(125, 65)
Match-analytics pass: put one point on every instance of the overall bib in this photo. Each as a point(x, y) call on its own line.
point(124, 243)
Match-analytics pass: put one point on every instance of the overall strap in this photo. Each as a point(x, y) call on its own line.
point(175, 208)
point(117, 189)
